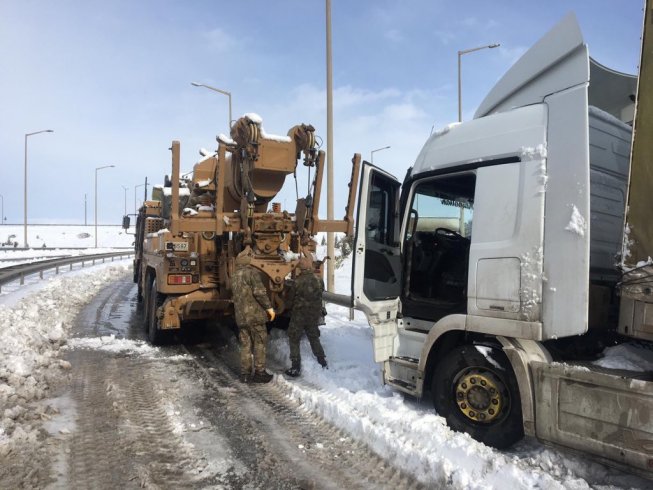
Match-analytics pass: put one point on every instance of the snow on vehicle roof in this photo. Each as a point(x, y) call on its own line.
point(223, 138)
point(167, 191)
point(275, 137)
point(254, 117)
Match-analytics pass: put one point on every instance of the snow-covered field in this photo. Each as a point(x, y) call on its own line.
point(62, 236)
point(34, 328)
point(60, 240)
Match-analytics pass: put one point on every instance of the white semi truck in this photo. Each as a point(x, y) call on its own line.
point(490, 276)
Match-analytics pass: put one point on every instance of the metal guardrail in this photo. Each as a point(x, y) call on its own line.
point(19, 272)
point(22, 249)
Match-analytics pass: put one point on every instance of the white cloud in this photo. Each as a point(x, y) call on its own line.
point(445, 37)
point(344, 97)
point(219, 40)
point(475, 23)
point(393, 35)
point(363, 120)
point(469, 22)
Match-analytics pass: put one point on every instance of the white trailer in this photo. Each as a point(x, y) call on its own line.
point(496, 312)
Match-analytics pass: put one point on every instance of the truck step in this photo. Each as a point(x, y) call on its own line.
point(409, 388)
point(409, 362)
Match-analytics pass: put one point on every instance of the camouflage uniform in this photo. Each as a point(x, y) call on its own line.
point(305, 315)
point(250, 304)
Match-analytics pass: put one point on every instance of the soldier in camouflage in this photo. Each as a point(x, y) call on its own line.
point(253, 309)
point(306, 299)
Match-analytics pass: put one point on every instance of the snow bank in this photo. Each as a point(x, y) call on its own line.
point(32, 333)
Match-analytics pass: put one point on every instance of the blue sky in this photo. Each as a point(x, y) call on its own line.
point(112, 78)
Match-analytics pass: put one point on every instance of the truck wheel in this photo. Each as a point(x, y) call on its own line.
point(155, 335)
point(137, 280)
point(475, 389)
point(147, 288)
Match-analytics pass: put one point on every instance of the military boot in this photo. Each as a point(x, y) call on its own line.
point(322, 362)
point(245, 378)
point(295, 369)
point(262, 377)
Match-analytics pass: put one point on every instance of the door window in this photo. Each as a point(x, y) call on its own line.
point(382, 261)
point(437, 241)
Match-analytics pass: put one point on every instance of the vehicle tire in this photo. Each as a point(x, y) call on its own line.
point(137, 280)
point(475, 389)
point(147, 285)
point(155, 335)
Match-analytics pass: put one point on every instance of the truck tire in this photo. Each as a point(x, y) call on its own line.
point(475, 389)
point(146, 301)
point(155, 335)
point(137, 280)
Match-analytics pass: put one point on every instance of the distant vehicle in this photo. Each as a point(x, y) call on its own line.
point(10, 242)
point(496, 311)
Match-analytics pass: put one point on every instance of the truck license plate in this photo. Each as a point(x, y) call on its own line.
point(177, 246)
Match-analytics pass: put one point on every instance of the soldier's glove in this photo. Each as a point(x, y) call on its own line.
point(271, 314)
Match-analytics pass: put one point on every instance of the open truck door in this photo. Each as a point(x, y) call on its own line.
point(376, 278)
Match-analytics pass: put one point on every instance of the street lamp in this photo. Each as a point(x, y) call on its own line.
point(223, 92)
point(374, 151)
point(460, 54)
point(96, 169)
point(331, 249)
point(136, 187)
point(25, 189)
point(2, 216)
point(125, 213)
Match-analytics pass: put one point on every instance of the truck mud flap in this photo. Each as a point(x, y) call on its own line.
point(606, 413)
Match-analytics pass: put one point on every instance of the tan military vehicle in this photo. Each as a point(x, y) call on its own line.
point(189, 233)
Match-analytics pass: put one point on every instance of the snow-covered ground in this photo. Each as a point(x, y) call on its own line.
point(35, 328)
point(62, 236)
point(60, 240)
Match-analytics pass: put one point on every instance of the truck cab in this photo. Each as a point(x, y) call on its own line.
point(491, 270)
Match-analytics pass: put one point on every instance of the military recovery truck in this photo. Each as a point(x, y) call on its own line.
point(495, 271)
point(189, 233)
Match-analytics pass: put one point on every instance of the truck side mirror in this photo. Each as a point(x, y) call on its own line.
point(125, 222)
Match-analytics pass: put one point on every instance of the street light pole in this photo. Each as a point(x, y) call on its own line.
point(25, 181)
point(223, 92)
point(331, 248)
point(125, 214)
point(85, 222)
point(136, 187)
point(96, 170)
point(2, 216)
point(374, 151)
point(460, 54)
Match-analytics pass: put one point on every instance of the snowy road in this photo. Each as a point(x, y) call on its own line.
point(134, 417)
point(86, 403)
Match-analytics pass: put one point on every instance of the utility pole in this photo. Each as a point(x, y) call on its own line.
point(85, 222)
point(25, 182)
point(218, 90)
point(331, 249)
